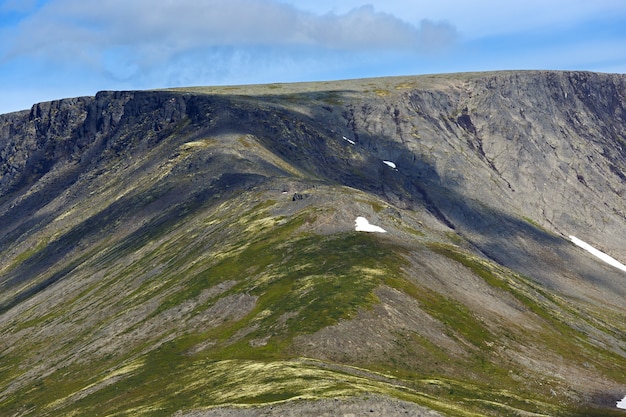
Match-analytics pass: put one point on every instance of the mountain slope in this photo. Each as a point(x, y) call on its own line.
point(169, 251)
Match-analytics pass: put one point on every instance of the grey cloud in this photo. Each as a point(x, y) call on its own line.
point(362, 28)
point(175, 26)
point(436, 35)
point(142, 42)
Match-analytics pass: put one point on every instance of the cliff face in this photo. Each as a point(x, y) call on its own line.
point(182, 226)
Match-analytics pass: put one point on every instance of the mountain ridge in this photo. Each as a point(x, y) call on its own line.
point(231, 210)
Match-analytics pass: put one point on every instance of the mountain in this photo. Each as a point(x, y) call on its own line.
point(193, 252)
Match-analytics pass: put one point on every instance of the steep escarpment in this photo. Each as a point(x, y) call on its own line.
point(173, 251)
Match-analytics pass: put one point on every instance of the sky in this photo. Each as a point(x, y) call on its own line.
point(52, 49)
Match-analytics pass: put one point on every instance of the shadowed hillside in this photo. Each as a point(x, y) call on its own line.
point(193, 251)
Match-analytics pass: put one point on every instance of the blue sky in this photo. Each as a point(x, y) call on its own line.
point(52, 49)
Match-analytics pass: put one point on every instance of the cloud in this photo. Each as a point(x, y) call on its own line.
point(364, 28)
point(136, 34)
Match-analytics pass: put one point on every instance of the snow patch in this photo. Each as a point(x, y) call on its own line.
point(349, 141)
point(391, 164)
point(599, 254)
point(361, 224)
point(622, 403)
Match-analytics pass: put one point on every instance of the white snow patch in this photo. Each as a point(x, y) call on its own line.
point(389, 163)
point(599, 254)
point(622, 403)
point(362, 225)
point(349, 141)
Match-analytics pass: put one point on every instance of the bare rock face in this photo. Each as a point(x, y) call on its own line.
point(193, 251)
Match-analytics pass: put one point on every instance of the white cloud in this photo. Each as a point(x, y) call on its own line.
point(170, 27)
point(141, 40)
point(364, 28)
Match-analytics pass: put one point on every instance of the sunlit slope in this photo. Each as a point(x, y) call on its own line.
point(176, 251)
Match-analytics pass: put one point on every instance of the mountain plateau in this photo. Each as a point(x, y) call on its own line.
point(193, 251)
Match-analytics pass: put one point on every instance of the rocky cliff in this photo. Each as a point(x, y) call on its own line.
point(168, 251)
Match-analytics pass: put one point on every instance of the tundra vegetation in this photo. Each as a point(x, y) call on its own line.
point(194, 251)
